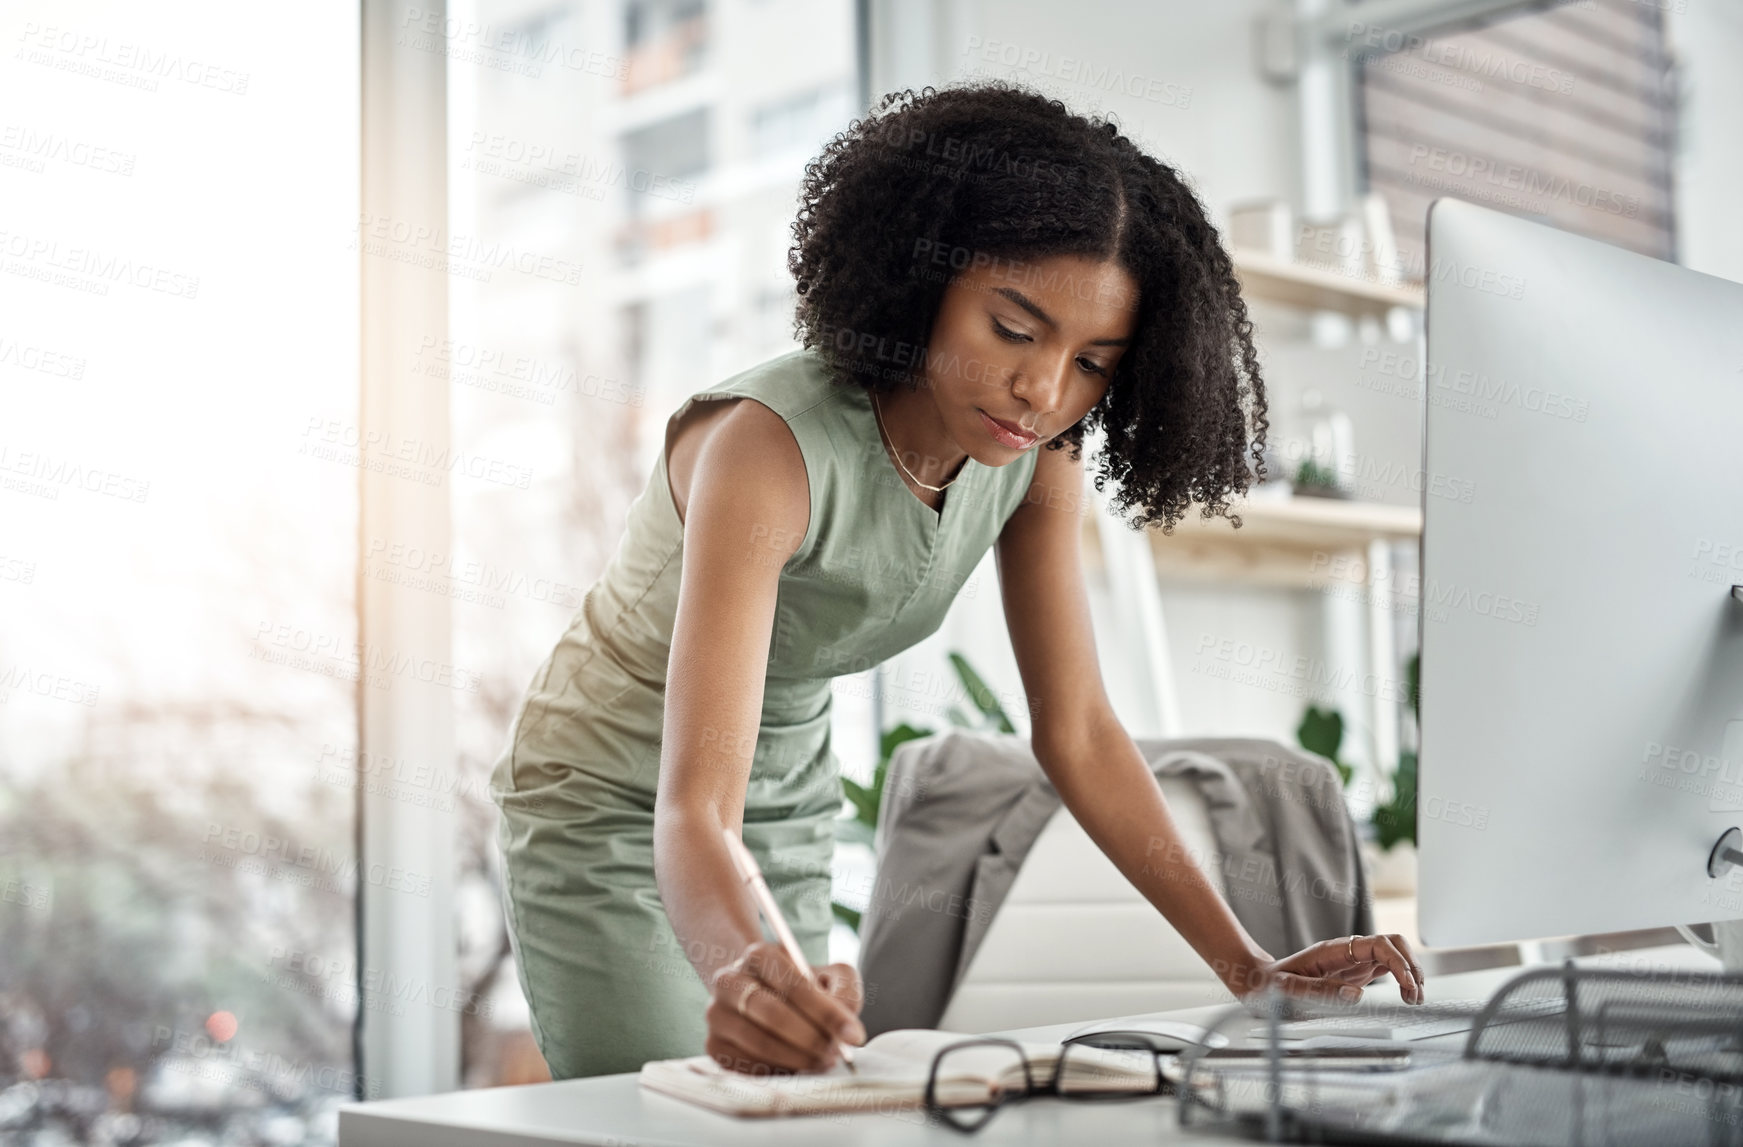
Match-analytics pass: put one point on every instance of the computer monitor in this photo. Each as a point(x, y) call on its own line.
point(1582, 651)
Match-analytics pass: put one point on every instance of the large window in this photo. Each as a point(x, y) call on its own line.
point(187, 453)
point(179, 663)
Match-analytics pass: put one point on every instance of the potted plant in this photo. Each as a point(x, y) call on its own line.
point(1389, 837)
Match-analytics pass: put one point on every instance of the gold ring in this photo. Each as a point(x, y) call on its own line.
point(744, 996)
point(1351, 945)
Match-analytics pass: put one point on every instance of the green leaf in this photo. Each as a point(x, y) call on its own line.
point(984, 699)
point(1395, 821)
point(1406, 775)
point(1322, 731)
point(1389, 828)
point(895, 736)
point(891, 739)
point(867, 800)
point(847, 915)
point(864, 800)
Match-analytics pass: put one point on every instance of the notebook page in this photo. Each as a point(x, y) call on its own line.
point(903, 1058)
point(896, 1059)
point(882, 1082)
point(891, 1070)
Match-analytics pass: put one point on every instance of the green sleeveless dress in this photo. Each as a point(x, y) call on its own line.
point(608, 983)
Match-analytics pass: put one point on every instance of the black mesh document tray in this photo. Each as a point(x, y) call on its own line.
point(1558, 1057)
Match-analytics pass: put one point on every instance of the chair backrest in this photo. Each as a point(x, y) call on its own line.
point(1074, 939)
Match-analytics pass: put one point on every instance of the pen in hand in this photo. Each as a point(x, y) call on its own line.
point(752, 876)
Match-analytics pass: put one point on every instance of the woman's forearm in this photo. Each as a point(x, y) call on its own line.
point(713, 918)
point(1107, 785)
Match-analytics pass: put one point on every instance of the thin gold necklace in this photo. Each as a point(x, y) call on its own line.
point(897, 454)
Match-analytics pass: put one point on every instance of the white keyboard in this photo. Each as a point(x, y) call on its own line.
point(1395, 1023)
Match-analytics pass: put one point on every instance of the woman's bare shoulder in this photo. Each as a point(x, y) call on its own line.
point(747, 457)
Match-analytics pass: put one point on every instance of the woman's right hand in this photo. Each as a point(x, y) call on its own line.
point(766, 1015)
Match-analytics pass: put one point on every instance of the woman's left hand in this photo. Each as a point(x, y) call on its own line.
point(1334, 971)
point(1352, 961)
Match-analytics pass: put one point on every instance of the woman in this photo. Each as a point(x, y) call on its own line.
point(982, 275)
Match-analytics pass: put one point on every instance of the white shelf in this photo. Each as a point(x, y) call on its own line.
point(1279, 543)
point(1309, 521)
point(1264, 276)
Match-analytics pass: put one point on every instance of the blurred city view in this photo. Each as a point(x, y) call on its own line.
point(179, 659)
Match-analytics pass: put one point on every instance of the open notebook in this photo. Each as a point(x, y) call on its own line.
point(892, 1074)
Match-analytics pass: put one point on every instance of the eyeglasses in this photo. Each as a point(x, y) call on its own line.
point(1097, 1066)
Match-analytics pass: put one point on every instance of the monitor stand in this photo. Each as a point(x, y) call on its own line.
point(1727, 853)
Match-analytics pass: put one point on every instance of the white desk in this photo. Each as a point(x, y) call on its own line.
point(611, 1111)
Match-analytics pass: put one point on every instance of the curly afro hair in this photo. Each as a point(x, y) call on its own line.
point(999, 170)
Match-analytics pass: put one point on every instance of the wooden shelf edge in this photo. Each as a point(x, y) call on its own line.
point(1380, 519)
point(1265, 276)
point(1279, 542)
